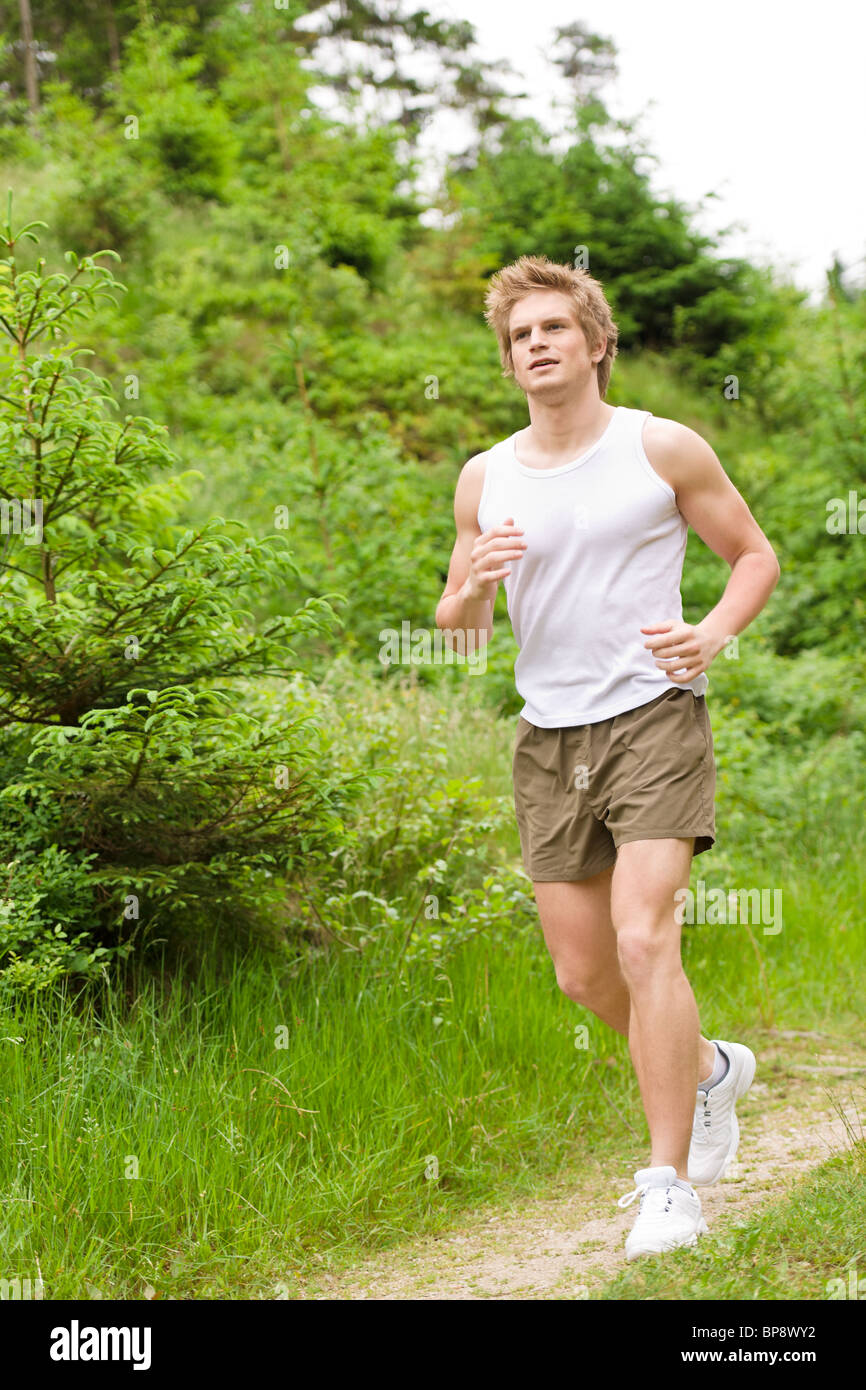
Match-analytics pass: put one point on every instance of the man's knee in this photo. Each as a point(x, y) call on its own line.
point(582, 985)
point(645, 948)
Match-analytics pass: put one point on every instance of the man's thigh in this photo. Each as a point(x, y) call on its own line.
point(576, 921)
point(645, 881)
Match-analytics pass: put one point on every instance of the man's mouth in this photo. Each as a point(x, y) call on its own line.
point(544, 362)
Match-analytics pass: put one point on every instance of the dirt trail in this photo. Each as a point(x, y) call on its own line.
point(567, 1243)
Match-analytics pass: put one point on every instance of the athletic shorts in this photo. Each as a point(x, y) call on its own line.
point(582, 791)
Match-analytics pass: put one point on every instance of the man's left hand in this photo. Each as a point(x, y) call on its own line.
point(683, 650)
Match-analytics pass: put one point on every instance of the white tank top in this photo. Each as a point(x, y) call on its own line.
point(604, 556)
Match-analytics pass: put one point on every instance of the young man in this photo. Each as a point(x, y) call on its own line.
point(584, 516)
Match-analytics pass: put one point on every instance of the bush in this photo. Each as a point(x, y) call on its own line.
point(139, 768)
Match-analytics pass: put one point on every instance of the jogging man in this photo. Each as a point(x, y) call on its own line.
point(583, 515)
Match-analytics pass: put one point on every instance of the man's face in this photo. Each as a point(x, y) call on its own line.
point(543, 329)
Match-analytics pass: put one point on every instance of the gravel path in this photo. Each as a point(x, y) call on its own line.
point(808, 1097)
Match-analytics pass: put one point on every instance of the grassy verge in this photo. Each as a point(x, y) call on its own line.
point(226, 1137)
point(811, 1245)
point(218, 1141)
point(227, 1134)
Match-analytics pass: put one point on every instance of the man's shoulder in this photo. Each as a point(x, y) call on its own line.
point(474, 468)
point(668, 434)
point(673, 448)
point(492, 450)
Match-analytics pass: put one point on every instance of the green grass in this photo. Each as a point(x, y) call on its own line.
point(256, 1162)
point(252, 1158)
point(798, 1248)
point(158, 1136)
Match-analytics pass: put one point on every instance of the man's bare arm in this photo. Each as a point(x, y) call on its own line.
point(478, 562)
point(713, 507)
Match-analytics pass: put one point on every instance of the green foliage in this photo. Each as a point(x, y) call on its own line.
point(319, 357)
point(17, 139)
point(817, 466)
point(664, 284)
point(101, 195)
point(498, 911)
point(124, 638)
point(412, 847)
point(198, 753)
point(182, 131)
point(46, 893)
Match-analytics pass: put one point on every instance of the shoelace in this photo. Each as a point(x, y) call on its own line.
point(701, 1125)
point(628, 1198)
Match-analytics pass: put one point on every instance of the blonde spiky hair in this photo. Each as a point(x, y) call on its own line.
point(591, 309)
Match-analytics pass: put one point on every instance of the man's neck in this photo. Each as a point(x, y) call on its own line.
point(560, 433)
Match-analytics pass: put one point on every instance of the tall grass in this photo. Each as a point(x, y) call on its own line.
point(213, 1137)
point(223, 1131)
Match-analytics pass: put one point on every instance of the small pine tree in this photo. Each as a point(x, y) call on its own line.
point(153, 768)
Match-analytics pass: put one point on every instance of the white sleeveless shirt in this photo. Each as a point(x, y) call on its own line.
point(604, 555)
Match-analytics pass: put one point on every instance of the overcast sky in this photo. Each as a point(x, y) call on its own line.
point(759, 101)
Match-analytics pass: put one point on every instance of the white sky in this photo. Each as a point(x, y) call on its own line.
point(761, 102)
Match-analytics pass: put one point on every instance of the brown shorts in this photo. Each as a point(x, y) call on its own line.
point(582, 791)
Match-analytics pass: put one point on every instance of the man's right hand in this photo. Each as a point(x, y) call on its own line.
point(487, 561)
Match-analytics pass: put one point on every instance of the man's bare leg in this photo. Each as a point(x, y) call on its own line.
point(578, 930)
point(663, 1020)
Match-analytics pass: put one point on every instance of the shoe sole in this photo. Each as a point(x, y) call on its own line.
point(746, 1078)
point(688, 1244)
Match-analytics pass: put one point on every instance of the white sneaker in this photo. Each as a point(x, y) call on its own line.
point(669, 1217)
point(716, 1129)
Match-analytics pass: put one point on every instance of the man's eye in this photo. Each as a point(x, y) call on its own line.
point(522, 332)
